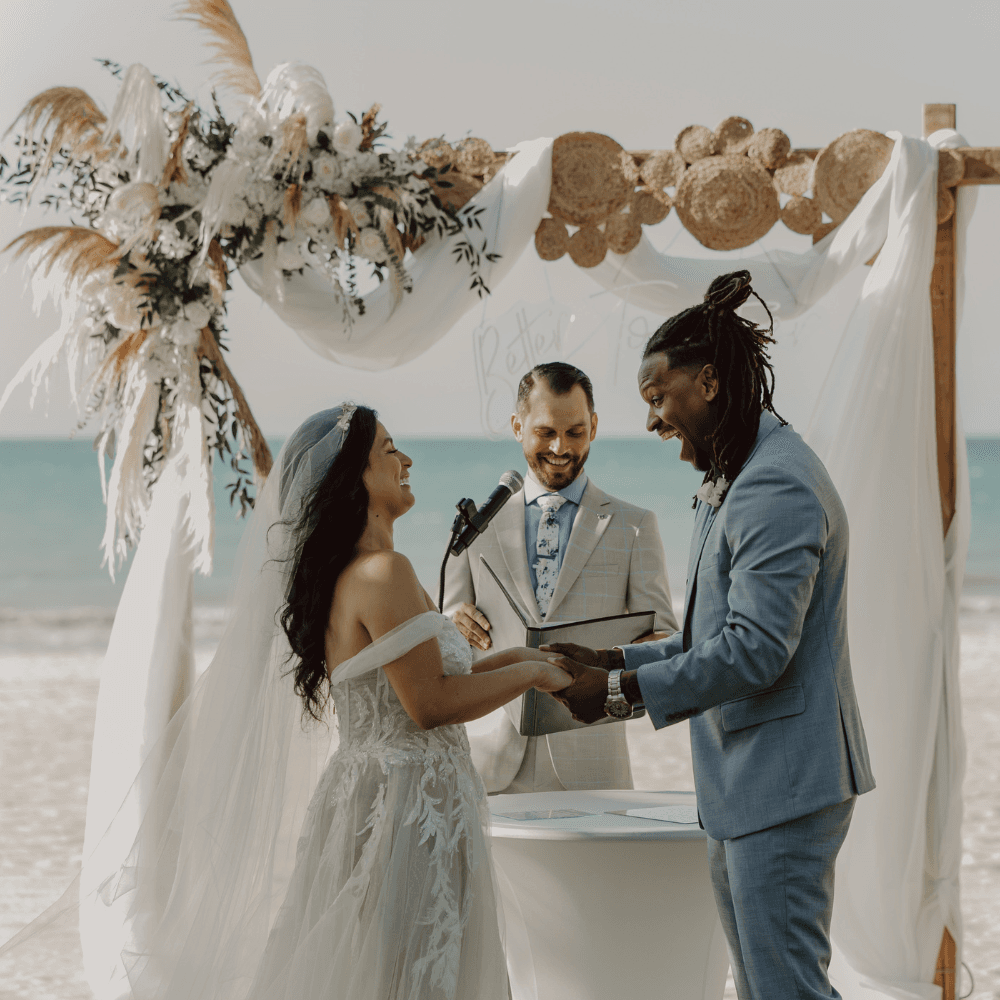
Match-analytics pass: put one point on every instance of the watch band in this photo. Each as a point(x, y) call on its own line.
point(616, 704)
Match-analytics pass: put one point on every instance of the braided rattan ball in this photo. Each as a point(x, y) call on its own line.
point(551, 239)
point(695, 143)
point(588, 246)
point(794, 176)
point(473, 156)
point(589, 178)
point(623, 232)
point(650, 208)
point(663, 169)
point(727, 202)
point(847, 168)
point(436, 153)
point(769, 147)
point(732, 135)
point(802, 215)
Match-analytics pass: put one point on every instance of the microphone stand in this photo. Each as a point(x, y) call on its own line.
point(463, 519)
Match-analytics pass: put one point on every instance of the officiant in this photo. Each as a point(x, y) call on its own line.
point(567, 551)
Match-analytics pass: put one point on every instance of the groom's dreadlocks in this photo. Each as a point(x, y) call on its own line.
point(713, 334)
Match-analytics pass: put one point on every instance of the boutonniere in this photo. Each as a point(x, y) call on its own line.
point(714, 492)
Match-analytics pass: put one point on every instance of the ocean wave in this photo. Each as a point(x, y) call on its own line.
point(42, 631)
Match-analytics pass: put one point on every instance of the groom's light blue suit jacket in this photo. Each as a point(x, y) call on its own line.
point(761, 666)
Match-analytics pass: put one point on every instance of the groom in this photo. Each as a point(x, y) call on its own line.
point(761, 665)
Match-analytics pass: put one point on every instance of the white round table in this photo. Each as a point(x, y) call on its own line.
point(603, 906)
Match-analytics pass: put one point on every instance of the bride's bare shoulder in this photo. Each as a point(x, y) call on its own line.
point(380, 577)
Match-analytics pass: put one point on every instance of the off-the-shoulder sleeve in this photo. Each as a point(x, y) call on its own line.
point(391, 646)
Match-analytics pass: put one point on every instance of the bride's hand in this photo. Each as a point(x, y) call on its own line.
point(551, 678)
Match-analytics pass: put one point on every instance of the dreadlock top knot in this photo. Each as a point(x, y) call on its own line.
point(729, 291)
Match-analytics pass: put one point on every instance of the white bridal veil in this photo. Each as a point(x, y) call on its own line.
point(221, 796)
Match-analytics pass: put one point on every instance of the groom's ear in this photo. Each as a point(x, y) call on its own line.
point(708, 381)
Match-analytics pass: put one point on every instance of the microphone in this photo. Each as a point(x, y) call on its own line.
point(510, 483)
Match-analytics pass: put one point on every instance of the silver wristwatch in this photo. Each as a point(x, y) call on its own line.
point(615, 704)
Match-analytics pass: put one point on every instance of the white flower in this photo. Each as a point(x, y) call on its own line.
point(251, 126)
point(371, 245)
point(197, 314)
point(289, 258)
point(183, 333)
point(172, 242)
point(123, 308)
point(326, 169)
point(316, 213)
point(347, 137)
point(197, 153)
point(714, 492)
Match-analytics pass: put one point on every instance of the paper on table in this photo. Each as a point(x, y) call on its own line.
point(666, 814)
point(544, 814)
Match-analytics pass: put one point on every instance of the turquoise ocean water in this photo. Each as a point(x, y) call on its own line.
point(54, 592)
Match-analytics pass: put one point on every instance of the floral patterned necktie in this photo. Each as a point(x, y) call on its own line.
point(547, 550)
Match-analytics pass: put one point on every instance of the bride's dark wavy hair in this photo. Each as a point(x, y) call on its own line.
point(325, 539)
point(712, 333)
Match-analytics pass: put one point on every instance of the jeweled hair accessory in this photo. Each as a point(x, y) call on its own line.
point(309, 452)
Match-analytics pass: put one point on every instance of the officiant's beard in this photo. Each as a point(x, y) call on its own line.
point(551, 477)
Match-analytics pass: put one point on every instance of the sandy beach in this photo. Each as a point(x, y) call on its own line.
point(47, 705)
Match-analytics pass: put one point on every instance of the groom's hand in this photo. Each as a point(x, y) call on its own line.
point(585, 697)
point(605, 659)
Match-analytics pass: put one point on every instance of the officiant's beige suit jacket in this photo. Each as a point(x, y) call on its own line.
point(613, 564)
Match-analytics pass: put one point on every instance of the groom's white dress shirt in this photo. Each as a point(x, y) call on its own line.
point(610, 561)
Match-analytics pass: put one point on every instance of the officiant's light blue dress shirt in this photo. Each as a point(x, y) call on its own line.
point(564, 517)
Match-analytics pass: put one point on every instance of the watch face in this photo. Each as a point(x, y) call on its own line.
point(618, 709)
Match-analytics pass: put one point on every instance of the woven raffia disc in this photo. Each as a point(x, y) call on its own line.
point(459, 190)
point(726, 202)
point(436, 153)
point(945, 204)
point(587, 246)
point(732, 135)
point(802, 215)
point(951, 167)
point(695, 142)
point(663, 169)
point(847, 168)
point(794, 176)
point(499, 161)
point(623, 232)
point(769, 147)
point(588, 179)
point(473, 156)
point(551, 239)
point(824, 230)
point(649, 208)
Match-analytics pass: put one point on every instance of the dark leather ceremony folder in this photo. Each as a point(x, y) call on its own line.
point(509, 626)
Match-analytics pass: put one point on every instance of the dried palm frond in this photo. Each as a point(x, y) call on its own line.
point(292, 206)
point(343, 220)
point(369, 129)
point(218, 275)
point(259, 451)
point(136, 121)
point(77, 251)
point(176, 168)
point(69, 116)
point(294, 142)
point(231, 49)
point(113, 366)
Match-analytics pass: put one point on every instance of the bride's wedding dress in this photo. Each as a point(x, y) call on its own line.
point(392, 895)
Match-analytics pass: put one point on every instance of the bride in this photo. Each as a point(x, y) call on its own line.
point(249, 863)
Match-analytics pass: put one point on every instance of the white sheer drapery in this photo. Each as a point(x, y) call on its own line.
point(388, 333)
point(873, 425)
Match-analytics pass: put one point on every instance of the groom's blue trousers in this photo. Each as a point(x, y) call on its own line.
point(774, 891)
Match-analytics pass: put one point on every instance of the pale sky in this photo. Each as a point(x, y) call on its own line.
point(636, 70)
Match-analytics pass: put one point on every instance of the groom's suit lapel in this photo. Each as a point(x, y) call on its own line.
point(707, 515)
